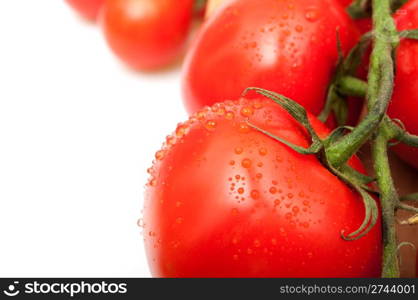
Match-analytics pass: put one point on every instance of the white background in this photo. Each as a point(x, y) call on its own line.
point(77, 132)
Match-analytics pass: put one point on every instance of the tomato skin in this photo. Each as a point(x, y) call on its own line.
point(404, 104)
point(147, 34)
point(89, 9)
point(285, 46)
point(225, 200)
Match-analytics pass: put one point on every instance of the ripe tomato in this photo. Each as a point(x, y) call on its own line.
point(147, 34)
point(404, 103)
point(225, 200)
point(89, 9)
point(289, 47)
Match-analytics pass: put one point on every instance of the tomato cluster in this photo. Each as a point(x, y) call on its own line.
point(226, 196)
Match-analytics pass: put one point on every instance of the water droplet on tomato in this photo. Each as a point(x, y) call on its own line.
point(312, 15)
point(140, 223)
point(247, 111)
point(246, 163)
point(241, 191)
point(153, 182)
point(255, 194)
point(160, 155)
point(181, 131)
point(262, 151)
point(273, 190)
point(210, 125)
point(229, 115)
point(243, 127)
point(238, 150)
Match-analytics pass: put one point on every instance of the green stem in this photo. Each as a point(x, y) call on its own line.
point(352, 86)
point(388, 199)
point(380, 86)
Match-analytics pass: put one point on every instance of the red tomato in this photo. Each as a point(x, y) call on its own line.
point(404, 105)
point(225, 200)
point(87, 8)
point(285, 46)
point(147, 34)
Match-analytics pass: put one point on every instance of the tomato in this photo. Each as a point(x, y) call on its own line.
point(225, 200)
point(289, 47)
point(404, 104)
point(87, 8)
point(147, 34)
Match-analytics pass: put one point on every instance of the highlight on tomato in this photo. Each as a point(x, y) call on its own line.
point(89, 9)
point(289, 47)
point(226, 200)
point(147, 34)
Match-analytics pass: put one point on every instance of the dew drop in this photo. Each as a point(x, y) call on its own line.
point(246, 163)
point(210, 125)
point(243, 127)
point(229, 115)
point(299, 28)
point(262, 151)
point(255, 194)
point(160, 155)
point(140, 223)
point(238, 150)
point(153, 182)
point(181, 131)
point(247, 111)
point(312, 15)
